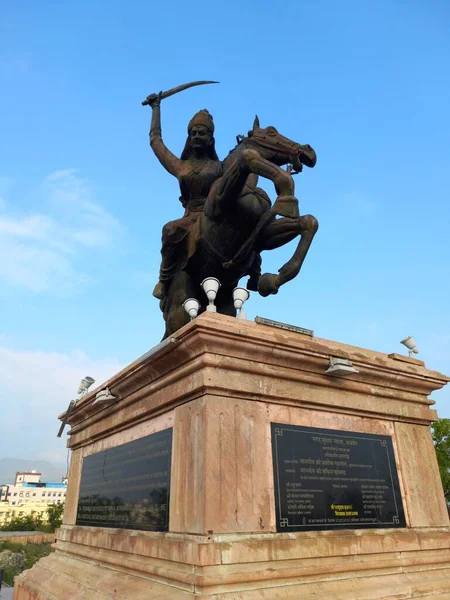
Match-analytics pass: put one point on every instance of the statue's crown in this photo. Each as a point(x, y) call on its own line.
point(202, 118)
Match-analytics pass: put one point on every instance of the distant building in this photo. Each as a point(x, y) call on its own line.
point(27, 477)
point(30, 496)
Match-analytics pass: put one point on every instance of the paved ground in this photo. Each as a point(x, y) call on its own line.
point(6, 593)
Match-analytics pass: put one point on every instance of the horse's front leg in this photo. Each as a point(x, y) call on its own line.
point(286, 204)
point(277, 234)
point(250, 161)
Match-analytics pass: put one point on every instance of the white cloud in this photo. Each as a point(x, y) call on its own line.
point(35, 227)
point(38, 387)
point(41, 249)
point(51, 378)
point(38, 269)
point(71, 197)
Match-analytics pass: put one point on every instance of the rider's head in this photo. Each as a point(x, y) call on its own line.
point(200, 136)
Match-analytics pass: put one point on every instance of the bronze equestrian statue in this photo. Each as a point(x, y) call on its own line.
point(228, 221)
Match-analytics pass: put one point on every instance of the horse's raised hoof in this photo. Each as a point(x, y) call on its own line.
point(268, 284)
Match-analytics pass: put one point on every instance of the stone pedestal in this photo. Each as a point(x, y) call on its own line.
point(220, 383)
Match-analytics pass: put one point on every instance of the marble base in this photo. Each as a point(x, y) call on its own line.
point(107, 564)
point(220, 383)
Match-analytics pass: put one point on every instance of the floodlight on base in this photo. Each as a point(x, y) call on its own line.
point(410, 343)
point(211, 286)
point(104, 396)
point(340, 367)
point(191, 306)
point(240, 295)
point(85, 384)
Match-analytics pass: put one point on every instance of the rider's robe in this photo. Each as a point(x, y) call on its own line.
point(194, 187)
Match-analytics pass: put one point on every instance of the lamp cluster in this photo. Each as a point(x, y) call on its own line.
point(211, 286)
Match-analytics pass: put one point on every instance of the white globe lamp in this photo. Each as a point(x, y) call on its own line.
point(211, 286)
point(240, 295)
point(191, 306)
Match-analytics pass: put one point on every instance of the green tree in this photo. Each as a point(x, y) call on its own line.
point(55, 514)
point(14, 558)
point(441, 438)
point(22, 523)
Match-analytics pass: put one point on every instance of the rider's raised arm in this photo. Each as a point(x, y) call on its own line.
point(168, 160)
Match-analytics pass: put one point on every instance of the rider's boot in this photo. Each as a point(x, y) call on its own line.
point(158, 291)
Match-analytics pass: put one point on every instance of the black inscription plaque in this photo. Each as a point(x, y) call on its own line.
point(328, 479)
point(128, 486)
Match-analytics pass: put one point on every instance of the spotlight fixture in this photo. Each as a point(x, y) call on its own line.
point(85, 384)
point(211, 286)
point(103, 396)
point(410, 343)
point(191, 306)
point(240, 295)
point(340, 367)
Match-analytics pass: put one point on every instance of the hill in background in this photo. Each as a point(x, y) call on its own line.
point(50, 471)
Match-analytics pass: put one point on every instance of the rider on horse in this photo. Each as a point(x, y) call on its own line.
point(196, 170)
point(228, 221)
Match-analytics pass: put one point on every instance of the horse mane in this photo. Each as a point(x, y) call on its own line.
point(240, 144)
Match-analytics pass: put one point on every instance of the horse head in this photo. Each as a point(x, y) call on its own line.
point(279, 149)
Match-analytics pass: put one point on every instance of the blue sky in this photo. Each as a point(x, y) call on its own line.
point(83, 199)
